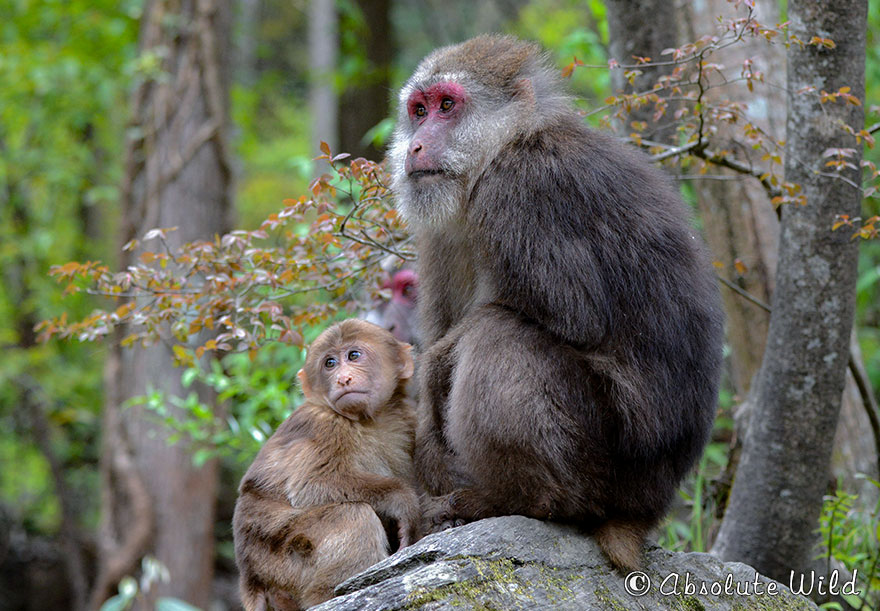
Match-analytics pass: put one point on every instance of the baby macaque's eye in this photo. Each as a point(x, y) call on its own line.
point(354, 355)
point(329, 362)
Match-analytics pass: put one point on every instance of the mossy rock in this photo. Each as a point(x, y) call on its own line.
point(511, 563)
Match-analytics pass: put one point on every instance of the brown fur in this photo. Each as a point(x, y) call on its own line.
point(314, 506)
point(496, 61)
point(571, 323)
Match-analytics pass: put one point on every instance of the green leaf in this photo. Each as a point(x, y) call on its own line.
point(174, 604)
point(189, 376)
point(116, 603)
point(128, 587)
point(201, 456)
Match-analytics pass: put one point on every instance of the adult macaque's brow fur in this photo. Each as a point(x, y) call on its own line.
point(571, 323)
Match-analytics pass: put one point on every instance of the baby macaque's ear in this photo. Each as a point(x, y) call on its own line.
point(407, 365)
point(304, 382)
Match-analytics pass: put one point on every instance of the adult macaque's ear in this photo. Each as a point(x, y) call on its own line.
point(407, 365)
point(304, 382)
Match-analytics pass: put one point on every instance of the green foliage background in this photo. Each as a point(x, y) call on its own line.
point(66, 67)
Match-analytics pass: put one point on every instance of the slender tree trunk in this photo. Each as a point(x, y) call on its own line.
point(740, 224)
point(248, 24)
point(154, 500)
point(777, 495)
point(323, 99)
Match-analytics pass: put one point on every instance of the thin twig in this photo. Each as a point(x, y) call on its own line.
point(868, 399)
point(737, 36)
point(743, 293)
point(674, 151)
point(737, 166)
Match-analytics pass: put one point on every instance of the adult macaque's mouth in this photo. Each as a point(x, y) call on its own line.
point(423, 173)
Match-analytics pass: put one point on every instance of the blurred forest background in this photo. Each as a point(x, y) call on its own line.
point(81, 86)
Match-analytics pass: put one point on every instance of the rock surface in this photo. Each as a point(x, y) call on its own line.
point(515, 563)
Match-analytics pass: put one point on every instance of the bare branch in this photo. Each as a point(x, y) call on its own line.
point(673, 151)
point(743, 293)
point(859, 374)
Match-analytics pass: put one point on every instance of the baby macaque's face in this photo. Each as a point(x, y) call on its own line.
point(354, 368)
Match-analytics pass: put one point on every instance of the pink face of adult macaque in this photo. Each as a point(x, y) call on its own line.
point(355, 369)
point(398, 314)
point(434, 114)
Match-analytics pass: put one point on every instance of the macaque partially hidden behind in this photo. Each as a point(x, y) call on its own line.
point(332, 491)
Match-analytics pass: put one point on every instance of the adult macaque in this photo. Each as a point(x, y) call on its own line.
point(332, 491)
point(570, 318)
point(398, 314)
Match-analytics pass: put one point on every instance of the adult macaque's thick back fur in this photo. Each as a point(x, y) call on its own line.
point(571, 321)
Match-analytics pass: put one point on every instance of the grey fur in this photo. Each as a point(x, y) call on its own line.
point(570, 318)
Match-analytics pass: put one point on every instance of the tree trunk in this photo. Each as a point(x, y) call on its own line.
point(323, 99)
point(740, 224)
point(641, 28)
point(364, 101)
point(777, 494)
point(154, 500)
point(742, 230)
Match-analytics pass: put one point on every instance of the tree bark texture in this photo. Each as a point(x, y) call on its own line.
point(178, 174)
point(777, 494)
point(323, 98)
point(641, 28)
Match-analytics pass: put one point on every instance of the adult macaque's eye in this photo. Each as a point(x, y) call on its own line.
point(419, 110)
point(446, 104)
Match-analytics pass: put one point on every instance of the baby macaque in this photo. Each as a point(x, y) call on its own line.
point(333, 490)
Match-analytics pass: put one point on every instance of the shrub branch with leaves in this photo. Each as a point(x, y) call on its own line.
point(680, 105)
point(316, 258)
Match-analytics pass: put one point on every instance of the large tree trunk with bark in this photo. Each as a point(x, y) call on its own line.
point(776, 499)
point(154, 500)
